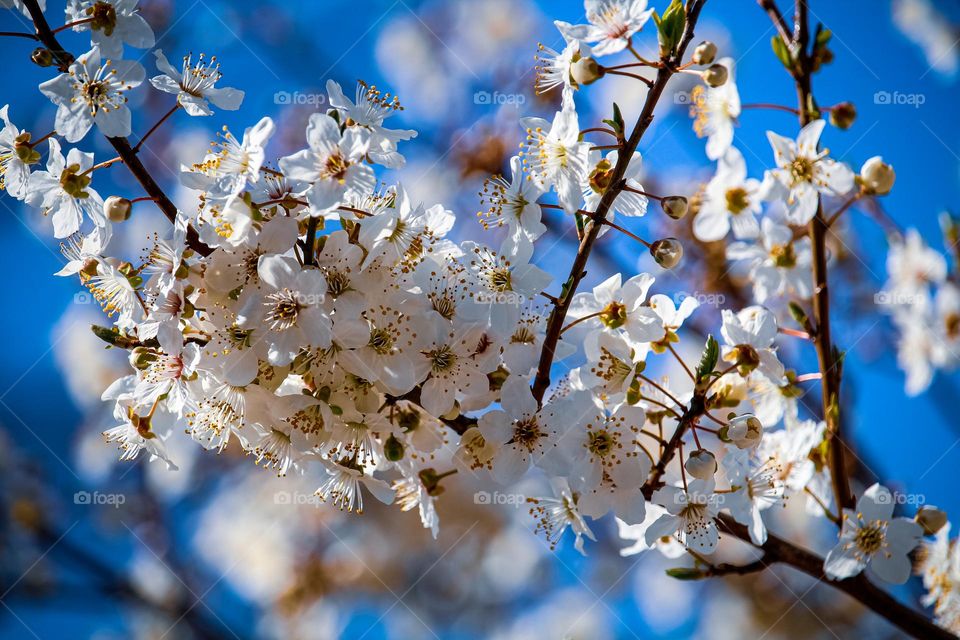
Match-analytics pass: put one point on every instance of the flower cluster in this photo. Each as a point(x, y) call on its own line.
point(314, 316)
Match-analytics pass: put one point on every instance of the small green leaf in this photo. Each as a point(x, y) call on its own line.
point(799, 314)
point(686, 573)
point(782, 51)
point(616, 123)
point(670, 26)
point(822, 38)
point(711, 353)
point(113, 337)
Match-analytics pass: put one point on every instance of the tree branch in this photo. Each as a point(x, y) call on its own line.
point(859, 587)
point(558, 316)
point(121, 145)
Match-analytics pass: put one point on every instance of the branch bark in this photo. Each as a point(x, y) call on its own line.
point(121, 145)
point(778, 550)
point(823, 340)
point(578, 269)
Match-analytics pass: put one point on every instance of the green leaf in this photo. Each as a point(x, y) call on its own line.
point(782, 51)
point(708, 361)
point(113, 337)
point(822, 38)
point(670, 27)
point(616, 123)
point(686, 573)
point(799, 314)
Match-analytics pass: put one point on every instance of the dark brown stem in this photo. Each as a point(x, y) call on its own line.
point(846, 205)
point(627, 74)
point(149, 133)
point(121, 145)
point(766, 105)
point(309, 253)
point(599, 130)
point(724, 569)
point(558, 316)
point(858, 587)
point(17, 34)
point(770, 6)
point(817, 229)
point(70, 25)
point(614, 225)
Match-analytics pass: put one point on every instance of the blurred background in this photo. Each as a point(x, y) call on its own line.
point(93, 548)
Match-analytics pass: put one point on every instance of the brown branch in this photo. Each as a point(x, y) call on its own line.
point(121, 145)
point(17, 34)
point(558, 316)
point(309, 251)
point(770, 6)
point(826, 356)
point(777, 550)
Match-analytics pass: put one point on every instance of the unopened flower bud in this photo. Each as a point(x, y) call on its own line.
point(877, 176)
point(393, 449)
point(667, 252)
point(701, 464)
point(843, 115)
point(42, 57)
point(705, 53)
point(90, 267)
point(931, 519)
point(586, 71)
point(453, 414)
point(142, 357)
point(716, 75)
point(675, 206)
point(117, 209)
point(744, 431)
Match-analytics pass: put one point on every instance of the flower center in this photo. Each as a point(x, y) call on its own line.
point(337, 282)
point(527, 432)
point(614, 315)
point(444, 305)
point(737, 200)
point(441, 359)
point(784, 256)
point(336, 168)
point(283, 309)
point(602, 176)
point(381, 341)
point(500, 279)
point(103, 17)
point(802, 170)
point(600, 443)
point(73, 182)
point(869, 539)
